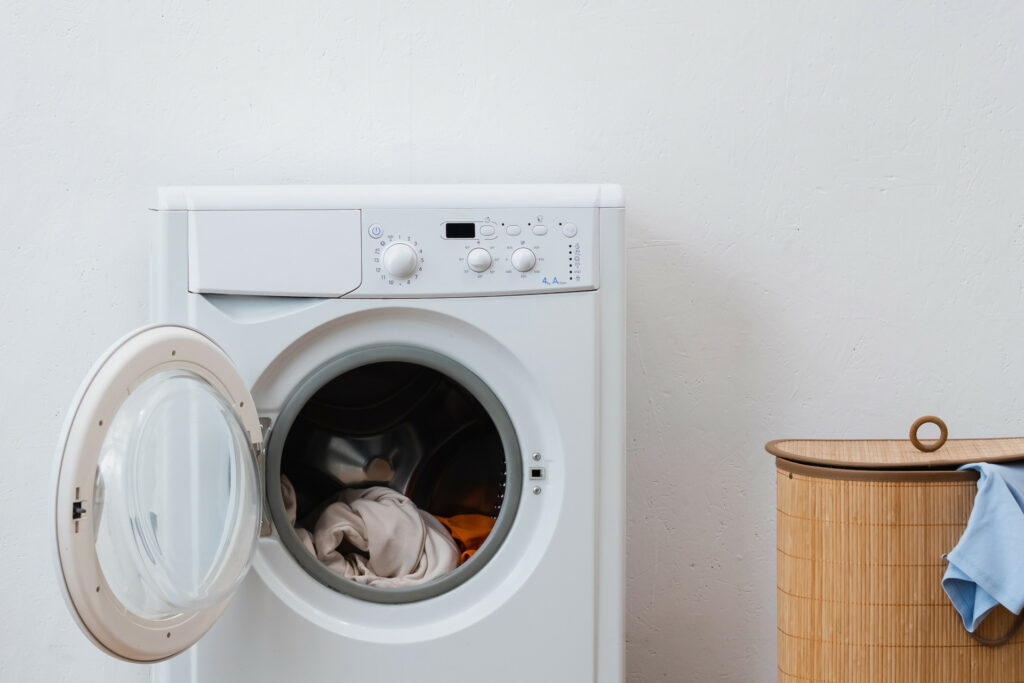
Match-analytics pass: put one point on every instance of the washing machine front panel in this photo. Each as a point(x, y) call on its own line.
point(530, 611)
point(540, 419)
point(158, 499)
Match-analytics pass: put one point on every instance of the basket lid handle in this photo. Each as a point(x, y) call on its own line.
point(934, 445)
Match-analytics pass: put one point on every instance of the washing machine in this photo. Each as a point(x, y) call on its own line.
point(462, 345)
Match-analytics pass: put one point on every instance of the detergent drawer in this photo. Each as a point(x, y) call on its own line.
point(274, 253)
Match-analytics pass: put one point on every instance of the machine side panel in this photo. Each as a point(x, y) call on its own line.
point(168, 271)
point(611, 476)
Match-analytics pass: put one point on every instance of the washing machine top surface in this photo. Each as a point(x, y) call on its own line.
point(312, 197)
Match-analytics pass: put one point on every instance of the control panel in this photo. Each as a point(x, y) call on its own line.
point(477, 252)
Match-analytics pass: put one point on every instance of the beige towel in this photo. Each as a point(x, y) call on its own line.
point(378, 537)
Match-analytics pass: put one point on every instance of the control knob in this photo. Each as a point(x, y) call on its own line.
point(400, 260)
point(478, 260)
point(523, 259)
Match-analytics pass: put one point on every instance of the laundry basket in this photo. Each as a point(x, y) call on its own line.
point(862, 529)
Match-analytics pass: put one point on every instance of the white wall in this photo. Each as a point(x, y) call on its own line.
point(826, 233)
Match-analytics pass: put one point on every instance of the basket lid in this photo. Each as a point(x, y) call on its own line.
point(887, 454)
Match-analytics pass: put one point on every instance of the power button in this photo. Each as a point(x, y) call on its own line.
point(375, 230)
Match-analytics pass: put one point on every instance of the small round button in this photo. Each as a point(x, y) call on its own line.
point(487, 230)
point(569, 230)
point(400, 260)
point(513, 230)
point(478, 260)
point(376, 230)
point(540, 230)
point(523, 259)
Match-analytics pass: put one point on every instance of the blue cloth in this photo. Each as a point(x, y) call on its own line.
point(986, 568)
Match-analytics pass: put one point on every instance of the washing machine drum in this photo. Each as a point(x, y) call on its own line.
point(400, 425)
point(407, 426)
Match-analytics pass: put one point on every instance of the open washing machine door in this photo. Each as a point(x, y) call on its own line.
point(158, 494)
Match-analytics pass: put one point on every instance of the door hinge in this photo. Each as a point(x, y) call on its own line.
point(261, 466)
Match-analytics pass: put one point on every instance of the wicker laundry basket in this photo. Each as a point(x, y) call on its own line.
point(862, 528)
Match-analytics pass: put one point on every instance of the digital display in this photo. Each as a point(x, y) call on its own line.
point(460, 230)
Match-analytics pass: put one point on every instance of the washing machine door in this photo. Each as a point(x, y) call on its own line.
point(158, 495)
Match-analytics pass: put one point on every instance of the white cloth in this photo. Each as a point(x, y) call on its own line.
point(378, 537)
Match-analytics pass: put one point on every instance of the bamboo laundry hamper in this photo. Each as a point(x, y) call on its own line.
point(862, 528)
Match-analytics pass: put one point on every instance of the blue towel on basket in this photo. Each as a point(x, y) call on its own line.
point(986, 568)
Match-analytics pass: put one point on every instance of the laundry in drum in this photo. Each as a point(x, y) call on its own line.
point(393, 475)
point(379, 537)
point(469, 532)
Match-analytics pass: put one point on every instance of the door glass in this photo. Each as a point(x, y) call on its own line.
point(177, 498)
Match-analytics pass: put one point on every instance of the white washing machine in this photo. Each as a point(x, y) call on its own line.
point(461, 344)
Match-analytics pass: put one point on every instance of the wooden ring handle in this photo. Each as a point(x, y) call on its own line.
point(935, 445)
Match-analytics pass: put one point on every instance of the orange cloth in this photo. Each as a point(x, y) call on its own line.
point(469, 532)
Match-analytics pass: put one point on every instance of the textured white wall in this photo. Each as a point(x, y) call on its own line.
point(825, 233)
